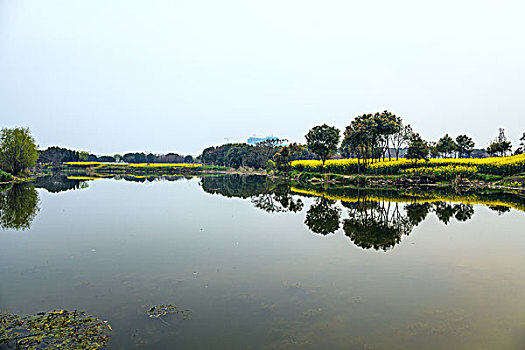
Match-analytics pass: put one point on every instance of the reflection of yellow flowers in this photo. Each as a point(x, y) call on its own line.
point(461, 166)
point(83, 177)
point(413, 197)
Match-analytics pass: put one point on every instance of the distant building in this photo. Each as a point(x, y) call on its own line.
point(255, 140)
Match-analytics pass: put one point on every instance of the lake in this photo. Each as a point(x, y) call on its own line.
point(255, 265)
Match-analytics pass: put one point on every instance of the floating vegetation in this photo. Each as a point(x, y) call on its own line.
point(54, 329)
point(158, 311)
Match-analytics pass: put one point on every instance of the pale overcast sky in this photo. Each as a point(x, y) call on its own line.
point(118, 76)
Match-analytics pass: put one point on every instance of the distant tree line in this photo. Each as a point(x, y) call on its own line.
point(269, 153)
point(368, 137)
point(58, 155)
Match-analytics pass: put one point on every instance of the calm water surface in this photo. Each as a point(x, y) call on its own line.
point(267, 270)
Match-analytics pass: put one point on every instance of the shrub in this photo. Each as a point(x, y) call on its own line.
point(5, 177)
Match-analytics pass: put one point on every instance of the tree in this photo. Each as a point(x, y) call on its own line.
point(18, 150)
point(401, 138)
point(58, 155)
point(388, 124)
point(236, 155)
point(322, 140)
point(417, 149)
point(500, 146)
point(521, 148)
point(83, 155)
point(446, 145)
point(360, 138)
point(434, 153)
point(465, 145)
point(107, 159)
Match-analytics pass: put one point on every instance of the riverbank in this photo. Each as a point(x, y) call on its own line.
point(100, 169)
point(514, 184)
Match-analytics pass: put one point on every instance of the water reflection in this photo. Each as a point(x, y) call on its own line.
point(277, 198)
point(376, 219)
point(376, 224)
point(235, 185)
point(18, 207)
point(59, 183)
point(373, 219)
point(323, 216)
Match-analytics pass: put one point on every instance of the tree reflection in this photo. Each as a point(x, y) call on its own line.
point(323, 217)
point(374, 224)
point(59, 183)
point(500, 209)
point(464, 212)
point(277, 198)
point(272, 197)
point(417, 212)
point(235, 185)
point(18, 207)
point(445, 211)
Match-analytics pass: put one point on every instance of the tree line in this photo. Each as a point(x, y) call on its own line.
point(58, 155)
point(373, 137)
point(368, 137)
point(269, 153)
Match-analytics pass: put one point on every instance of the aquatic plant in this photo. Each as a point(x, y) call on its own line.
point(158, 311)
point(53, 330)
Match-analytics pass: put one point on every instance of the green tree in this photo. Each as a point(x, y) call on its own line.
point(521, 148)
point(360, 139)
point(446, 145)
point(434, 153)
point(236, 155)
point(322, 140)
point(417, 149)
point(18, 150)
point(500, 146)
point(83, 155)
point(286, 153)
point(401, 138)
point(388, 125)
point(465, 145)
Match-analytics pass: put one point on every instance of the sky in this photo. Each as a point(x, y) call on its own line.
point(178, 76)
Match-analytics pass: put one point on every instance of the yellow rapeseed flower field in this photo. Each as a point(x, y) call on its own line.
point(443, 167)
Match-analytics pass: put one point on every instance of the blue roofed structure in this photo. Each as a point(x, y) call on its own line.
point(255, 140)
